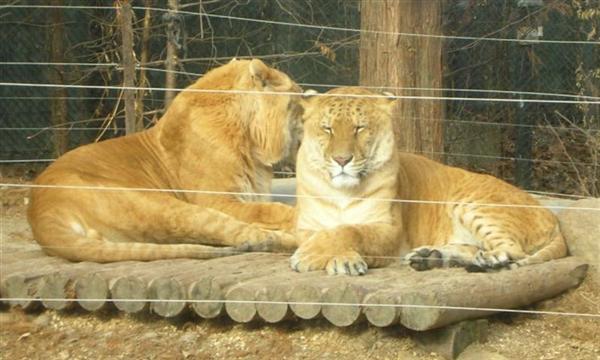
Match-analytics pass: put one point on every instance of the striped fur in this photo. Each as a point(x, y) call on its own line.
point(353, 228)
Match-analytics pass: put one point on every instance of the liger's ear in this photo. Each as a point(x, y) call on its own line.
point(308, 97)
point(266, 78)
point(308, 100)
point(258, 69)
point(309, 94)
point(389, 101)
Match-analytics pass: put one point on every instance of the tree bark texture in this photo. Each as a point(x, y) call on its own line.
point(144, 55)
point(393, 60)
point(128, 60)
point(58, 107)
point(173, 33)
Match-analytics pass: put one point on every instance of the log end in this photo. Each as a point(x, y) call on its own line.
point(206, 298)
point(20, 292)
point(578, 274)
point(272, 304)
point(129, 294)
point(88, 287)
point(345, 303)
point(56, 286)
point(381, 310)
point(304, 300)
point(420, 310)
point(168, 297)
point(240, 305)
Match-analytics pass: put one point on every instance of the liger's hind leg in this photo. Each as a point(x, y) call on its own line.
point(499, 252)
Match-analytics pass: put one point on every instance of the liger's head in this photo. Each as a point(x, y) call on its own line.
point(348, 133)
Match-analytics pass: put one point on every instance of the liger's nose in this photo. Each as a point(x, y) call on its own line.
point(342, 160)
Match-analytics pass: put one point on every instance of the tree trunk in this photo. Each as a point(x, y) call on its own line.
point(171, 62)
point(58, 107)
point(144, 53)
point(401, 61)
point(128, 59)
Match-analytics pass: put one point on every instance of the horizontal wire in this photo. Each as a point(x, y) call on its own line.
point(588, 97)
point(29, 63)
point(311, 26)
point(57, 98)
point(240, 193)
point(319, 303)
point(531, 126)
point(284, 55)
point(475, 122)
point(399, 259)
point(276, 93)
point(166, 71)
point(62, 125)
point(460, 90)
point(377, 32)
point(56, 128)
point(558, 128)
point(537, 192)
point(549, 193)
point(494, 157)
point(480, 156)
point(25, 161)
point(471, 122)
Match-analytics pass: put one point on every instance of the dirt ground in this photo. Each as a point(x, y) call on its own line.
point(77, 334)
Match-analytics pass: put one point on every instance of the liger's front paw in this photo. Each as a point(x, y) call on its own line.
point(348, 263)
point(305, 259)
point(329, 250)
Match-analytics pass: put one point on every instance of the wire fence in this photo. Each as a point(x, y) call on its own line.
point(531, 77)
point(497, 81)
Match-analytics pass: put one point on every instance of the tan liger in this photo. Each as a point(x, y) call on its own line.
point(209, 142)
point(348, 169)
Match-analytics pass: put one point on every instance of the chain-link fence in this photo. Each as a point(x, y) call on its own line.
point(557, 144)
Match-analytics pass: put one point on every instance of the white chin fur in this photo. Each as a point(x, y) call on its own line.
point(344, 181)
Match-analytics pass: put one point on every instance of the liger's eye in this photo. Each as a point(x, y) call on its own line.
point(358, 129)
point(327, 129)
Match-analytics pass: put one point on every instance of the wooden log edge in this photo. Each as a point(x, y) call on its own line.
point(57, 286)
point(21, 292)
point(304, 301)
point(168, 297)
point(381, 308)
point(129, 294)
point(345, 308)
point(272, 304)
point(240, 303)
point(92, 286)
point(424, 310)
point(206, 298)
